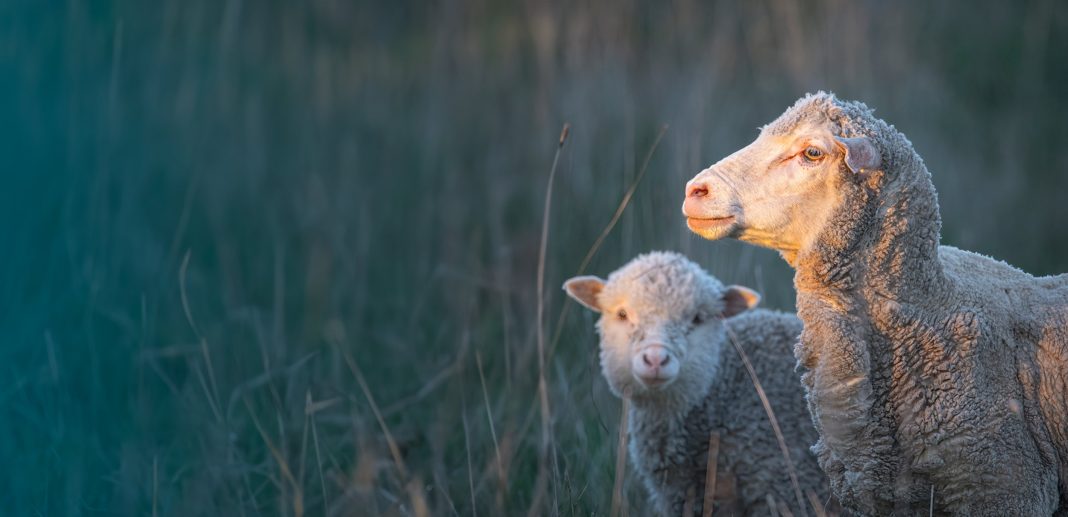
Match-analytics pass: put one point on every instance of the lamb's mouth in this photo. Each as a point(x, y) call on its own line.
point(712, 227)
point(654, 383)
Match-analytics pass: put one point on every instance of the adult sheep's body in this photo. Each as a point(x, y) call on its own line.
point(933, 374)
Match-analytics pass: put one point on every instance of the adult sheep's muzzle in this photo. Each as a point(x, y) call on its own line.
point(707, 213)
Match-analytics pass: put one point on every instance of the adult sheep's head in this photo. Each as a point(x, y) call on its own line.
point(661, 324)
point(781, 190)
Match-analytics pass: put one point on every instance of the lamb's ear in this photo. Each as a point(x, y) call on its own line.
point(738, 299)
point(585, 289)
point(861, 156)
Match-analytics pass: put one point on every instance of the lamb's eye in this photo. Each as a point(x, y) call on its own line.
point(622, 314)
point(813, 154)
point(697, 319)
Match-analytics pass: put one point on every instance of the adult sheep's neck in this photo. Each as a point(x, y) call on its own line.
point(882, 242)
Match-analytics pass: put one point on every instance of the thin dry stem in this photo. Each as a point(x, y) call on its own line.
point(817, 505)
point(623, 203)
point(212, 394)
point(303, 456)
point(710, 474)
point(310, 409)
point(393, 449)
point(621, 460)
point(470, 469)
point(489, 418)
point(771, 417)
point(207, 394)
point(543, 392)
point(185, 298)
point(415, 494)
point(298, 498)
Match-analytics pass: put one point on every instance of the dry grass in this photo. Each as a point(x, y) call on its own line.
point(272, 258)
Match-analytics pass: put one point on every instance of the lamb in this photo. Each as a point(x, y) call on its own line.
point(935, 376)
point(664, 328)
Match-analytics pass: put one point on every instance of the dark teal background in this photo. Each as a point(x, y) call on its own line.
point(367, 179)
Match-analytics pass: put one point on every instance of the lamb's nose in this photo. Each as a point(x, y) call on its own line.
point(655, 356)
point(697, 189)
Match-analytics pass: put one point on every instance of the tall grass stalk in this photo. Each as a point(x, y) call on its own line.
point(733, 338)
point(618, 498)
point(547, 453)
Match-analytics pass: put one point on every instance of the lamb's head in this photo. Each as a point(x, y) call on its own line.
point(661, 324)
point(780, 190)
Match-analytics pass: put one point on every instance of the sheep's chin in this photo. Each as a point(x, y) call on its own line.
point(715, 228)
point(654, 385)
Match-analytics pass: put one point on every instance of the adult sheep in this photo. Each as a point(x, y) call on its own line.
point(664, 327)
point(931, 372)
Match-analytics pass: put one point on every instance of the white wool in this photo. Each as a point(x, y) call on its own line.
point(661, 293)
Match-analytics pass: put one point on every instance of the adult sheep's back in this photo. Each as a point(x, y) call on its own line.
point(1035, 310)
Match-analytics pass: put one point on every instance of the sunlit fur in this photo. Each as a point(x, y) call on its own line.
point(928, 369)
point(661, 294)
point(778, 199)
point(669, 426)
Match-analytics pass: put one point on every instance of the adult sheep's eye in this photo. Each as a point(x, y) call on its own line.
point(622, 314)
point(813, 154)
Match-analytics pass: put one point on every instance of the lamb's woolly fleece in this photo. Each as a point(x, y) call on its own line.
point(669, 428)
point(926, 365)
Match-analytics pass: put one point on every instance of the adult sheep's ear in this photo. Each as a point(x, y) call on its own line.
point(861, 156)
point(738, 299)
point(585, 289)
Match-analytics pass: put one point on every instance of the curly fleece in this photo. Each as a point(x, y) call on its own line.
point(669, 428)
point(927, 367)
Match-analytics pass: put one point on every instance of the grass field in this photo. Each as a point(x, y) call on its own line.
point(277, 258)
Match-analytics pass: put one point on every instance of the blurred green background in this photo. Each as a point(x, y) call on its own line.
point(220, 216)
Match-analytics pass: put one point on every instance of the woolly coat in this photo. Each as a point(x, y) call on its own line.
point(670, 448)
point(930, 371)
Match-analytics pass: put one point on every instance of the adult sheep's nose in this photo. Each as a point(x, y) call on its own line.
point(697, 196)
point(696, 189)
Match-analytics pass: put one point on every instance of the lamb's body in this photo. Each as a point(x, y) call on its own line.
point(670, 450)
point(931, 371)
point(665, 331)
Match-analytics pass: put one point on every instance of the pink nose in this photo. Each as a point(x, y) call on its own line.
point(696, 197)
point(696, 189)
point(654, 365)
point(655, 356)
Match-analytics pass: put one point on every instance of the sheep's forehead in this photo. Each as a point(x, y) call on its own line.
point(823, 110)
point(661, 285)
point(812, 110)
